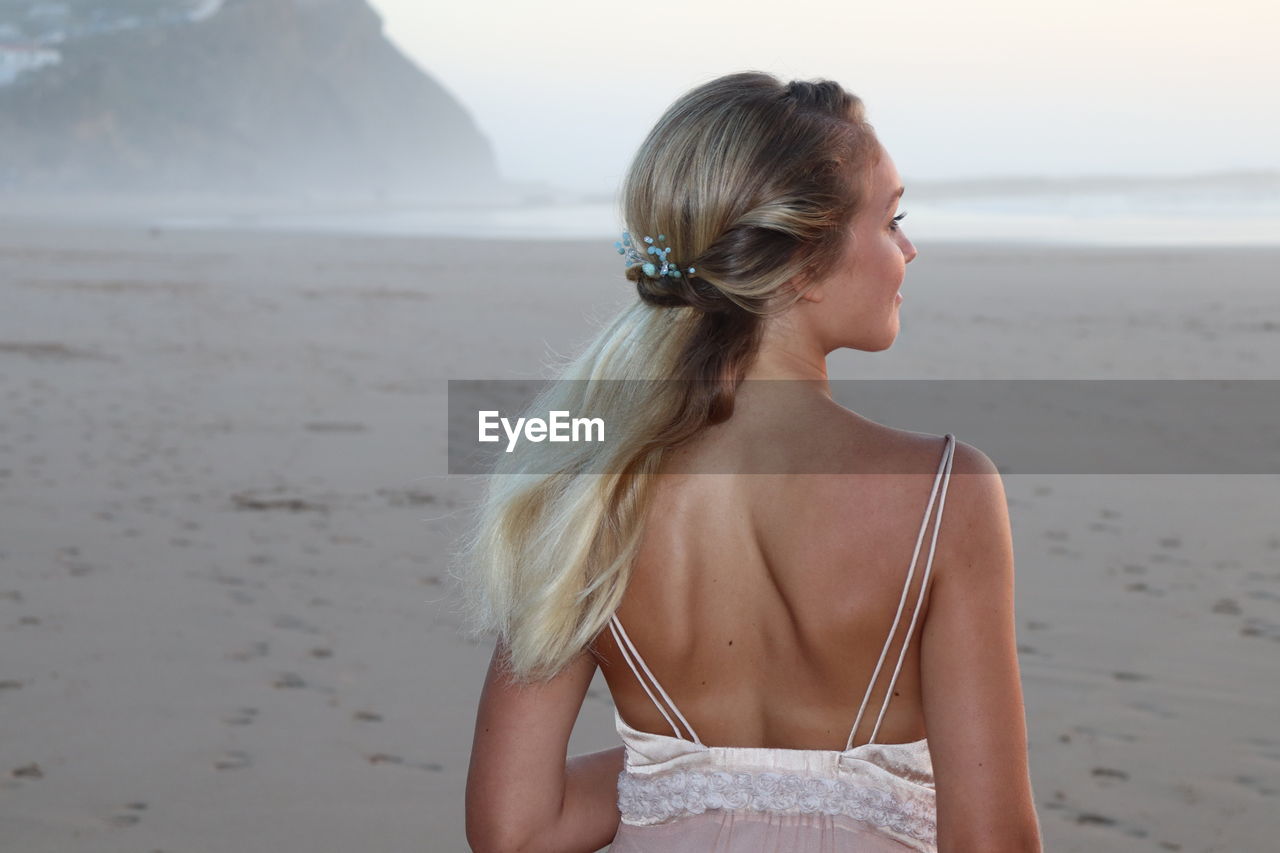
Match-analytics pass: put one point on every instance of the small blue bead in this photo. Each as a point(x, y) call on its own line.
point(691, 270)
point(675, 273)
point(662, 236)
point(648, 239)
point(649, 270)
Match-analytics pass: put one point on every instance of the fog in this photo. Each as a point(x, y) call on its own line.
point(566, 91)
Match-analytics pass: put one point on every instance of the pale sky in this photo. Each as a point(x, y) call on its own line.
point(567, 90)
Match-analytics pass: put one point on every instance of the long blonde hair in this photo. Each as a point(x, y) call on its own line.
point(753, 183)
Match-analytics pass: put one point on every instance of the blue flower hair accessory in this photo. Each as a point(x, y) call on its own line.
point(632, 257)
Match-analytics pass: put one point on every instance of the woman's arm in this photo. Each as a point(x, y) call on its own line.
point(590, 816)
point(972, 689)
point(522, 794)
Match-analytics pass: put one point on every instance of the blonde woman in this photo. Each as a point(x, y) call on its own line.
point(815, 658)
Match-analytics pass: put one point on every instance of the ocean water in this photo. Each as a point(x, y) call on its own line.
point(1160, 215)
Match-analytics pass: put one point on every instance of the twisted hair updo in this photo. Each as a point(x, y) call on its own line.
point(754, 183)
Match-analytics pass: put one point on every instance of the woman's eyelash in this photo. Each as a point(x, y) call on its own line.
point(898, 219)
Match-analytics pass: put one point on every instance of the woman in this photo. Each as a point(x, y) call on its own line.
point(763, 235)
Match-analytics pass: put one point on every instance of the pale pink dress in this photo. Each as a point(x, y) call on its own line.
point(677, 795)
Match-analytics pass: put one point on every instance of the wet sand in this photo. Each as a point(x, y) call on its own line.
point(225, 618)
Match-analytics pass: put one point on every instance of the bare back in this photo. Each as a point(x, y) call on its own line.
point(762, 602)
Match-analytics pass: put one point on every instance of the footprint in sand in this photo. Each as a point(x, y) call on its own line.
point(28, 771)
point(1097, 819)
point(233, 759)
point(1227, 606)
point(1255, 627)
point(1110, 774)
point(367, 717)
point(240, 717)
point(1258, 786)
point(128, 818)
point(293, 623)
point(1083, 817)
point(251, 500)
point(259, 649)
point(1094, 819)
point(289, 680)
point(1130, 676)
point(384, 758)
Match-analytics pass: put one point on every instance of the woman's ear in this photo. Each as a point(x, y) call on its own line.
point(806, 290)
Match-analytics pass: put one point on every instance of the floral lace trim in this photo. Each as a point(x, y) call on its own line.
point(651, 799)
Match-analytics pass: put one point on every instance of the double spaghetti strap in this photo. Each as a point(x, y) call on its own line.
point(628, 653)
point(943, 477)
point(637, 664)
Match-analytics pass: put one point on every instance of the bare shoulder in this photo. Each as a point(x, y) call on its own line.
point(974, 535)
point(976, 512)
point(975, 468)
point(908, 450)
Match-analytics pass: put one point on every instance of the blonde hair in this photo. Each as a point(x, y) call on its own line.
point(753, 182)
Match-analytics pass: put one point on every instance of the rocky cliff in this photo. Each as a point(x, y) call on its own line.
point(263, 97)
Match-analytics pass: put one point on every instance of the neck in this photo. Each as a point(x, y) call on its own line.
point(790, 359)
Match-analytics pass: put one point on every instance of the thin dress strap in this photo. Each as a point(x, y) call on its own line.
point(943, 477)
point(628, 651)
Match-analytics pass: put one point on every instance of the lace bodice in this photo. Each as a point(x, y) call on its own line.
point(886, 786)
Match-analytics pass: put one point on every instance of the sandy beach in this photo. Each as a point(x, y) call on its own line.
point(226, 624)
